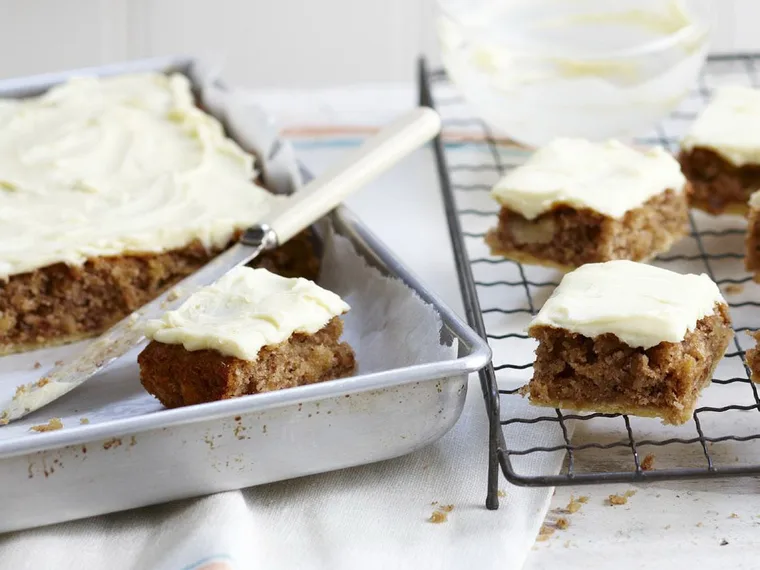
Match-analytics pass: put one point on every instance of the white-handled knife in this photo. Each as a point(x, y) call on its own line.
point(290, 217)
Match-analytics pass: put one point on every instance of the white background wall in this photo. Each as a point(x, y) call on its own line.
point(264, 42)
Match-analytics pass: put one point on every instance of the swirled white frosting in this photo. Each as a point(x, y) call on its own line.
point(640, 304)
point(246, 310)
point(729, 125)
point(607, 177)
point(128, 164)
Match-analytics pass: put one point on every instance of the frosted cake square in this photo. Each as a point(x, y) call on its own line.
point(628, 338)
point(576, 202)
point(250, 332)
point(720, 155)
point(112, 190)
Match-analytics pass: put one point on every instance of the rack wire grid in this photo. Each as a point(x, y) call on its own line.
point(538, 446)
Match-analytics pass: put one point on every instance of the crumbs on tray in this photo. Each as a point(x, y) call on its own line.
point(52, 425)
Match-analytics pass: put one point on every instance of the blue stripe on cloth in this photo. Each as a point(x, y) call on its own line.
point(208, 560)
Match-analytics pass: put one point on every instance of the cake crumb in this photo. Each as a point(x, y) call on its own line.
point(19, 390)
point(84, 421)
point(58, 362)
point(37, 365)
point(502, 493)
point(544, 533)
point(174, 294)
point(617, 500)
point(574, 506)
point(630, 493)
point(734, 516)
point(733, 288)
point(52, 425)
point(552, 525)
point(113, 442)
point(238, 431)
point(699, 524)
point(583, 499)
point(441, 512)
point(648, 463)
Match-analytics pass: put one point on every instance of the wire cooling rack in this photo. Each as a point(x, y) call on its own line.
point(500, 296)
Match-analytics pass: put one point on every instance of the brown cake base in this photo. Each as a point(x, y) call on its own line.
point(59, 304)
point(717, 186)
point(753, 358)
point(178, 377)
point(752, 243)
point(603, 374)
point(566, 238)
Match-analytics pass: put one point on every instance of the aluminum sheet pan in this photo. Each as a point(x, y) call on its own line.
point(156, 457)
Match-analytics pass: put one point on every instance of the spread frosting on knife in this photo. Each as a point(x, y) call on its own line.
point(113, 166)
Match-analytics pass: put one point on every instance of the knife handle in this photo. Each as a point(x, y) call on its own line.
point(376, 155)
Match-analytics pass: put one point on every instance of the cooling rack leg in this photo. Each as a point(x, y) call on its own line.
point(469, 295)
point(492, 498)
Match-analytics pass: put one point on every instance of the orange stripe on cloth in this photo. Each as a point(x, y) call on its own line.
point(350, 130)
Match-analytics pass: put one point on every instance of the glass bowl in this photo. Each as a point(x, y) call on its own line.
point(540, 69)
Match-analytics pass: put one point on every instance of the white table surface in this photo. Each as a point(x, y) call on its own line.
point(713, 524)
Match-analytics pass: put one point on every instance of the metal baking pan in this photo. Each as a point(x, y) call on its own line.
point(165, 455)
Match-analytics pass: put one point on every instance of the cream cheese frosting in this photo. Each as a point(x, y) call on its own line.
point(729, 126)
point(609, 177)
point(754, 199)
point(640, 304)
point(246, 310)
point(112, 166)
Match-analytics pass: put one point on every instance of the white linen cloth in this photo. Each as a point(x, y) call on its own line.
point(367, 517)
